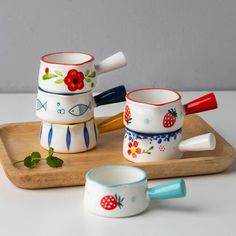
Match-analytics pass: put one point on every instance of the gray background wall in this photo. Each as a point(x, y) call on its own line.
point(181, 44)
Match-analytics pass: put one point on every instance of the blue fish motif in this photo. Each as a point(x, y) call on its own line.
point(80, 109)
point(40, 105)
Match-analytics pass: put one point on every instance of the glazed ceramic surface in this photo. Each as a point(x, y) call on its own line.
point(74, 72)
point(138, 147)
point(121, 191)
point(74, 108)
point(157, 110)
point(69, 138)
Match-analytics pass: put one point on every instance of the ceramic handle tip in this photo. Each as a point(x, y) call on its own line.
point(199, 143)
point(204, 103)
point(113, 62)
point(172, 189)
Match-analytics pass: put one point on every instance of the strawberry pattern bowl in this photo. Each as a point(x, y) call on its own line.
point(159, 110)
point(122, 191)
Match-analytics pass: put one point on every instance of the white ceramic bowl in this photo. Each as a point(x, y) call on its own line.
point(76, 138)
point(138, 147)
point(69, 138)
point(121, 191)
point(74, 108)
point(158, 110)
point(74, 72)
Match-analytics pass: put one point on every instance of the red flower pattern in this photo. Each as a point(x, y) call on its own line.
point(134, 149)
point(74, 80)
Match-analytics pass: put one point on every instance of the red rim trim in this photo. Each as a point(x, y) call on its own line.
point(65, 64)
point(152, 104)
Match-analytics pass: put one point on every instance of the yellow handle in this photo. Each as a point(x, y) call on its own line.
point(111, 124)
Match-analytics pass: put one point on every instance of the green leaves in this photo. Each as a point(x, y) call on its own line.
point(92, 75)
point(28, 162)
point(48, 76)
point(54, 162)
point(148, 151)
point(35, 157)
point(58, 72)
point(88, 80)
point(88, 75)
point(59, 81)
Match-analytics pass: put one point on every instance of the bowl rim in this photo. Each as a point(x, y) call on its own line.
point(43, 59)
point(128, 99)
point(97, 183)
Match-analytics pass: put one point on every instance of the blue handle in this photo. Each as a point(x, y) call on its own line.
point(171, 189)
point(113, 95)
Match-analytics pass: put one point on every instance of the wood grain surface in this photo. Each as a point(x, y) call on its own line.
point(20, 139)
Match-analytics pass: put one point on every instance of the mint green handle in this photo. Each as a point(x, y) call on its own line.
point(171, 189)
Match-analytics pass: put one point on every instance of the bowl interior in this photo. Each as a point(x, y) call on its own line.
point(153, 96)
point(116, 175)
point(67, 58)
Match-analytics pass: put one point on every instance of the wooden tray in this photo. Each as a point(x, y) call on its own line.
point(20, 139)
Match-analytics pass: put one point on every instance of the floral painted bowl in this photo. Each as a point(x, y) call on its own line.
point(74, 72)
point(141, 147)
point(158, 110)
point(74, 108)
point(121, 191)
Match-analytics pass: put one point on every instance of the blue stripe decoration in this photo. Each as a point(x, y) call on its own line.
point(95, 131)
point(68, 138)
point(86, 135)
point(50, 133)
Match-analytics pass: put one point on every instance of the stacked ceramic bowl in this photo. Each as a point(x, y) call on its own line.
point(65, 102)
point(154, 119)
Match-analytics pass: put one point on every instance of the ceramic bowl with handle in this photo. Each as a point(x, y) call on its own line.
point(74, 108)
point(121, 191)
point(74, 72)
point(141, 147)
point(158, 110)
point(74, 138)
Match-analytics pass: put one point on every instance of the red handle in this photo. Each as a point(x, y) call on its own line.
point(204, 103)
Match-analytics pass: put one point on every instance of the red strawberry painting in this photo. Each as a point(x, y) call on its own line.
point(170, 118)
point(110, 202)
point(127, 115)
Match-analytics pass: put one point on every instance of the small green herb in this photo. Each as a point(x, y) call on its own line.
point(35, 157)
point(54, 162)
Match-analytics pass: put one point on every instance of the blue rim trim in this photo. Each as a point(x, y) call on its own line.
point(91, 171)
point(151, 135)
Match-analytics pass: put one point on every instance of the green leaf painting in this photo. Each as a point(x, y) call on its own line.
point(48, 76)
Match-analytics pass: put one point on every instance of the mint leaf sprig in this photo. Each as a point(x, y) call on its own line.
point(35, 157)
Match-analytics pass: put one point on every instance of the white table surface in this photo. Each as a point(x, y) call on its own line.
point(208, 209)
